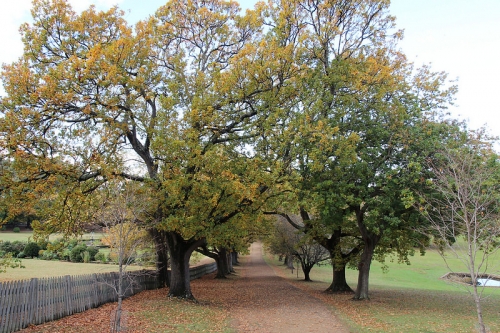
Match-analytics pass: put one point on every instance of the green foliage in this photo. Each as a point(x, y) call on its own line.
point(31, 250)
point(86, 256)
point(102, 257)
point(227, 115)
point(361, 117)
point(76, 253)
point(48, 255)
point(61, 249)
point(81, 252)
point(92, 252)
point(16, 229)
point(14, 247)
point(8, 260)
point(43, 244)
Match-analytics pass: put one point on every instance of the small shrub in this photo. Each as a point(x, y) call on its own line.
point(4, 247)
point(76, 253)
point(101, 256)
point(31, 250)
point(58, 248)
point(65, 254)
point(86, 256)
point(16, 229)
point(55, 245)
point(12, 247)
point(3, 228)
point(48, 255)
point(71, 243)
point(21, 255)
point(92, 251)
point(18, 246)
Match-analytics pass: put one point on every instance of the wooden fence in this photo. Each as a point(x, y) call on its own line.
point(37, 301)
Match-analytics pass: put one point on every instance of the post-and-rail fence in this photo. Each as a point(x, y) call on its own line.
point(39, 300)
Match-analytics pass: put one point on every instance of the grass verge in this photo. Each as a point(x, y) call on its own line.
point(35, 268)
point(160, 313)
point(405, 299)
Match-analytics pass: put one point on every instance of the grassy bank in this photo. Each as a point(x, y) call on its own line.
point(407, 298)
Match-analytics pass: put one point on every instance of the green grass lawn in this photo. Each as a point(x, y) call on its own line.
point(45, 268)
point(407, 298)
point(25, 235)
point(16, 236)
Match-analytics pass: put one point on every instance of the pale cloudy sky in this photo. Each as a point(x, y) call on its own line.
point(461, 37)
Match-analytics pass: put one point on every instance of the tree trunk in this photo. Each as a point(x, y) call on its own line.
point(289, 261)
point(234, 258)
point(117, 325)
point(180, 251)
point(477, 301)
point(339, 283)
point(339, 261)
point(480, 321)
point(230, 262)
point(364, 270)
point(370, 241)
point(222, 264)
point(219, 261)
point(161, 257)
point(221, 270)
point(307, 270)
point(223, 260)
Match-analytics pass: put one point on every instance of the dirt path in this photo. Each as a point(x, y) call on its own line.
point(266, 303)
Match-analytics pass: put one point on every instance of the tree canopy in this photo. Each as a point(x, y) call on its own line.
point(221, 116)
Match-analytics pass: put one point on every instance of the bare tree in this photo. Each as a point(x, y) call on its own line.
point(462, 209)
point(122, 213)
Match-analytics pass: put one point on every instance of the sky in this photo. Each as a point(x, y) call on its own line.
point(460, 37)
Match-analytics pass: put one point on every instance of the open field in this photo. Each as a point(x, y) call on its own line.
point(25, 235)
point(405, 299)
point(16, 236)
point(45, 268)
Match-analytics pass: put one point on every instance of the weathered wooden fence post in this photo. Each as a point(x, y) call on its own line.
point(33, 307)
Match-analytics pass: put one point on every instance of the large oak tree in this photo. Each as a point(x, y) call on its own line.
point(363, 115)
point(172, 103)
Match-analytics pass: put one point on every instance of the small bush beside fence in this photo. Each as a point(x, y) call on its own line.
point(37, 301)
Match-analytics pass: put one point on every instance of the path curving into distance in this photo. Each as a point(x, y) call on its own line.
point(267, 303)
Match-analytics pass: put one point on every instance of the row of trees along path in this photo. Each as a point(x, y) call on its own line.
point(256, 298)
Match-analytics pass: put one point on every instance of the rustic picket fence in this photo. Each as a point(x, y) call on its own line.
point(39, 300)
